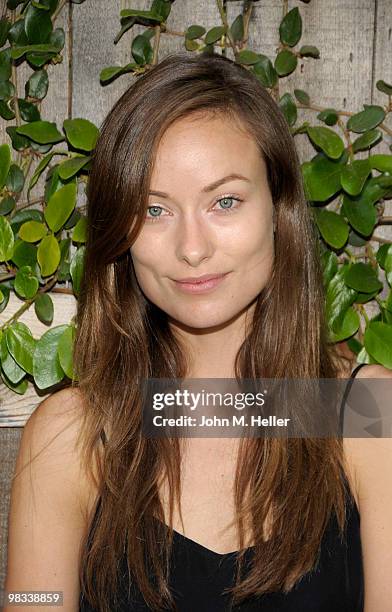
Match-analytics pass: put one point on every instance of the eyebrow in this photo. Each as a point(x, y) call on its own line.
point(210, 187)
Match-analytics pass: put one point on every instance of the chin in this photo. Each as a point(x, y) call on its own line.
point(202, 320)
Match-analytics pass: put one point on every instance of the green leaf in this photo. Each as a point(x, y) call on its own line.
point(25, 254)
point(354, 175)
point(76, 269)
point(80, 231)
point(362, 298)
point(384, 87)
point(191, 45)
point(6, 240)
point(60, 206)
point(348, 326)
point(37, 85)
point(17, 34)
point(333, 227)
point(366, 119)
point(57, 38)
point(47, 369)
point(265, 72)
point(237, 28)
point(41, 131)
point(309, 51)
point(4, 27)
point(322, 178)
point(5, 64)
point(378, 342)
point(329, 263)
point(5, 163)
point(7, 90)
point(360, 213)
point(289, 108)
point(15, 179)
point(162, 8)
point(290, 29)
point(302, 97)
point(110, 72)
point(329, 116)
point(383, 252)
point(285, 62)
point(381, 162)
point(139, 13)
point(21, 345)
point(327, 140)
point(65, 350)
point(141, 50)
point(43, 306)
point(362, 277)
point(25, 215)
point(38, 25)
point(72, 166)
point(26, 283)
point(248, 57)
point(214, 34)
point(373, 190)
point(18, 142)
point(354, 345)
point(6, 205)
point(40, 49)
point(31, 231)
point(338, 299)
point(39, 169)
point(195, 31)
point(48, 255)
point(28, 111)
point(10, 368)
point(81, 133)
point(5, 111)
point(367, 140)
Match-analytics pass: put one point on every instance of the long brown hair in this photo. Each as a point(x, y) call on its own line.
point(123, 338)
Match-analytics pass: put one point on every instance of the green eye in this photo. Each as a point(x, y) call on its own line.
point(228, 199)
point(157, 208)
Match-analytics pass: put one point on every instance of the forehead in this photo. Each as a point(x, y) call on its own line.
point(201, 148)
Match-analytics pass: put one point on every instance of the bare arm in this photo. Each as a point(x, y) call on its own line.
point(47, 518)
point(372, 462)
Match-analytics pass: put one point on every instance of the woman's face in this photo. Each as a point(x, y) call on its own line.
point(204, 220)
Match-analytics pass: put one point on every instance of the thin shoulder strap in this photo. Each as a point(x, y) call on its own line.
point(345, 395)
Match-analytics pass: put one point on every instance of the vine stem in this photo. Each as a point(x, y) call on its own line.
point(246, 17)
point(29, 302)
point(20, 311)
point(59, 9)
point(384, 220)
point(227, 27)
point(381, 240)
point(157, 37)
point(344, 114)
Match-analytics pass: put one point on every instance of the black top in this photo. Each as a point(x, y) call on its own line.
point(199, 574)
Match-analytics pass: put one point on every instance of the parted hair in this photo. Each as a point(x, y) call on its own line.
point(122, 338)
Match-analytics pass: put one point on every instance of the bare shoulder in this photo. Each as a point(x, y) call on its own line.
point(371, 461)
point(51, 437)
point(368, 458)
point(48, 514)
point(374, 370)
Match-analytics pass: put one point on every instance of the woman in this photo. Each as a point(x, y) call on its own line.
point(195, 173)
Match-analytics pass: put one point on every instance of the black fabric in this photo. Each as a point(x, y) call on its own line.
point(199, 575)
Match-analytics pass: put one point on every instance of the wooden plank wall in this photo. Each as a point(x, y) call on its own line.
point(354, 38)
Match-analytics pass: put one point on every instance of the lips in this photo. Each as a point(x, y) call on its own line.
point(200, 279)
point(202, 284)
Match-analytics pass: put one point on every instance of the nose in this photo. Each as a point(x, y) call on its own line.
point(194, 240)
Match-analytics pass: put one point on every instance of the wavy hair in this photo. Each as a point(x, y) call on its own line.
point(122, 338)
